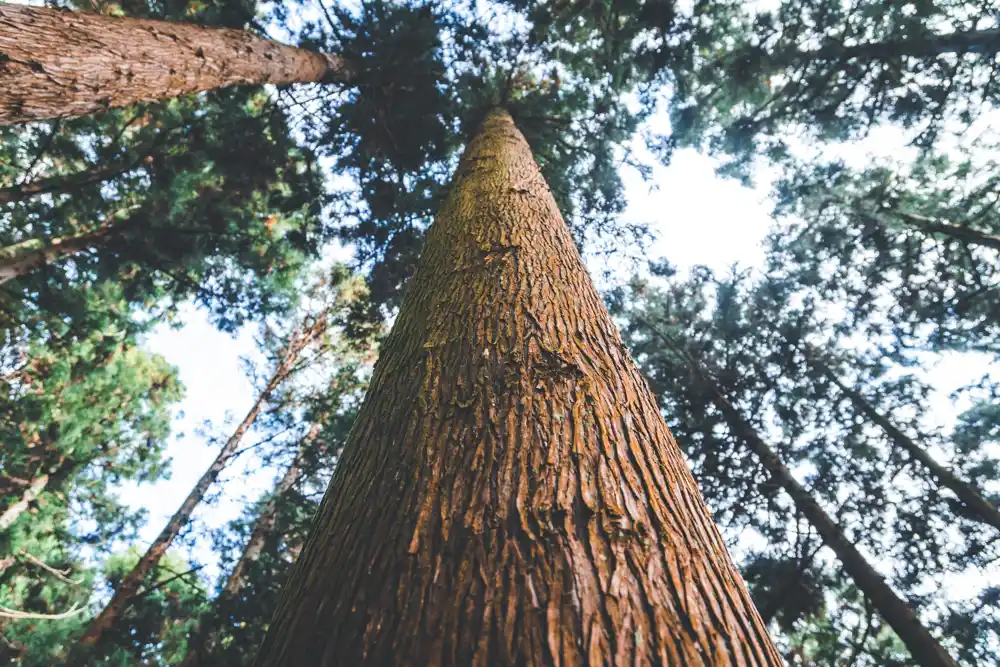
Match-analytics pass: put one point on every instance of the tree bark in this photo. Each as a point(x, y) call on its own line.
point(924, 649)
point(130, 585)
point(56, 63)
point(979, 506)
point(510, 494)
point(23, 258)
point(63, 183)
point(205, 640)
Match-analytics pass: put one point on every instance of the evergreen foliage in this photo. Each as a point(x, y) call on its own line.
point(229, 199)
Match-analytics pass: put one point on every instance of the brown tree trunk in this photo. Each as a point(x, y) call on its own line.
point(23, 258)
point(205, 640)
point(63, 183)
point(510, 494)
point(924, 649)
point(979, 506)
point(56, 63)
point(130, 585)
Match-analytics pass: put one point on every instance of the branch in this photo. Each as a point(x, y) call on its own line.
point(61, 575)
point(23, 615)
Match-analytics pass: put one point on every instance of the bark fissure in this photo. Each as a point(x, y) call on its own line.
point(509, 494)
point(56, 63)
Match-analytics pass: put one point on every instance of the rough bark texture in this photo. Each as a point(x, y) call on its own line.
point(981, 508)
point(25, 257)
point(510, 494)
point(924, 649)
point(201, 646)
point(130, 585)
point(56, 63)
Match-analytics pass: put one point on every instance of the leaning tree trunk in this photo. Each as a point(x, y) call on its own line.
point(64, 183)
point(130, 585)
point(23, 258)
point(56, 63)
point(41, 482)
point(953, 231)
point(924, 649)
point(510, 494)
point(205, 639)
point(980, 508)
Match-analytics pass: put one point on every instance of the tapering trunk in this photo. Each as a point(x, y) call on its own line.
point(23, 258)
point(205, 639)
point(924, 649)
point(979, 506)
point(62, 184)
point(510, 494)
point(56, 63)
point(964, 234)
point(130, 585)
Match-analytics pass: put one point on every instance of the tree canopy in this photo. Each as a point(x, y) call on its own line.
point(824, 360)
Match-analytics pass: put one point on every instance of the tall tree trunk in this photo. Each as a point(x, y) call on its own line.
point(924, 649)
point(129, 586)
point(63, 183)
point(510, 494)
point(23, 258)
point(979, 506)
point(56, 63)
point(204, 641)
point(964, 234)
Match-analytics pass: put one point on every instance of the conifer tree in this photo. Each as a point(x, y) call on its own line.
point(310, 332)
point(508, 460)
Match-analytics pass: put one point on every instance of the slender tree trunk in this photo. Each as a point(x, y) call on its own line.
point(56, 63)
point(924, 649)
point(981, 508)
point(130, 585)
point(510, 494)
point(63, 183)
point(31, 493)
point(23, 258)
point(964, 234)
point(986, 42)
point(205, 640)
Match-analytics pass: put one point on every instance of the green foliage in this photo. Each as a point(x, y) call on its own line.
point(861, 238)
point(766, 344)
point(827, 70)
point(155, 626)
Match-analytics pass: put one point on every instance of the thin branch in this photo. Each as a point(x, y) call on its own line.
point(23, 615)
point(165, 582)
point(61, 575)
